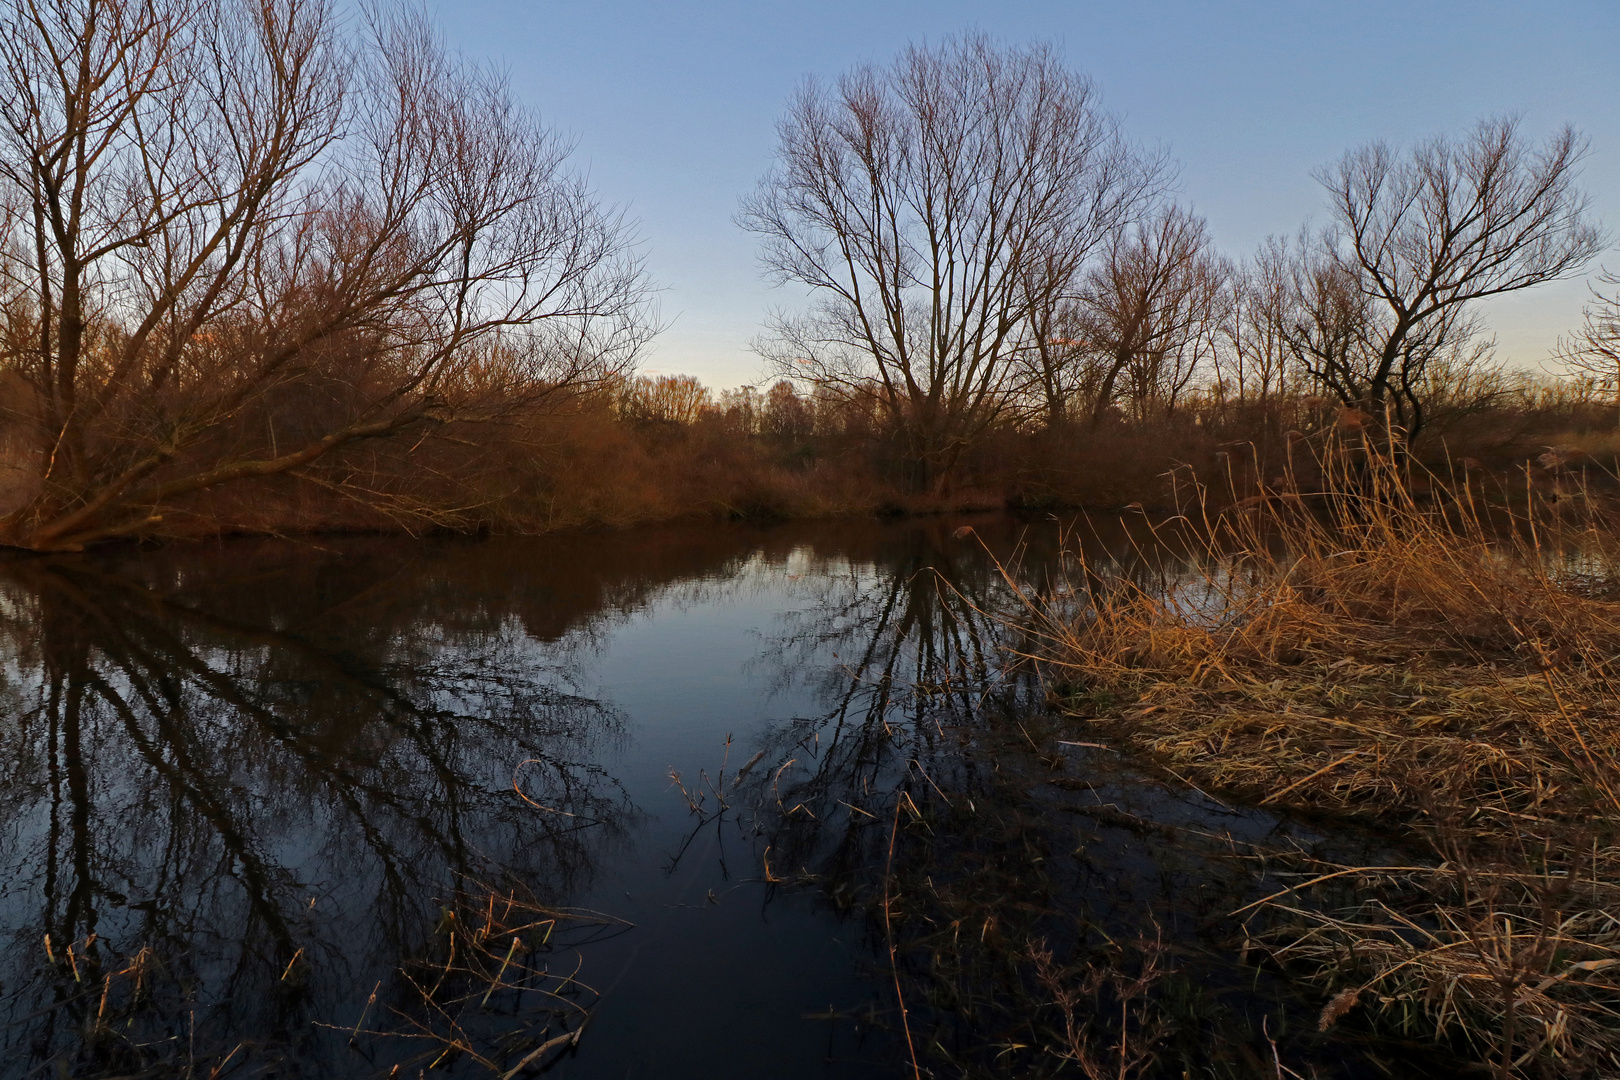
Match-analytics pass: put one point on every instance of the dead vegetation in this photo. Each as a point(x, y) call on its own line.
point(497, 990)
point(494, 991)
point(1405, 652)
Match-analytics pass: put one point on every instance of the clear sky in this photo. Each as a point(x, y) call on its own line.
point(673, 106)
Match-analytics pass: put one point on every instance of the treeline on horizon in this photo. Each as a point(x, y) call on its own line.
point(266, 269)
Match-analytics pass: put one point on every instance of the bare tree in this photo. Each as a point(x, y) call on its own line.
point(1419, 235)
point(666, 399)
point(1595, 349)
point(1255, 365)
point(787, 414)
point(742, 409)
point(1146, 321)
point(223, 209)
point(936, 208)
point(1336, 334)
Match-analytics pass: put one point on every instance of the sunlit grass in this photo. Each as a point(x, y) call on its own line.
point(1396, 652)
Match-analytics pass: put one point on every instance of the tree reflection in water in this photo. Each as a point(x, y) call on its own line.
point(255, 809)
point(1042, 907)
point(255, 783)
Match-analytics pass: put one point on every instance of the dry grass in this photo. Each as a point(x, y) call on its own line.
point(496, 988)
point(494, 992)
point(1394, 651)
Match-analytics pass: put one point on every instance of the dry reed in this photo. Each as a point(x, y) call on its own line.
point(1395, 650)
point(495, 988)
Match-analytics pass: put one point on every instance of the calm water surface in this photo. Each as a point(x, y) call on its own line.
point(250, 788)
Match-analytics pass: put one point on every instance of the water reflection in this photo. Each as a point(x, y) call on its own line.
point(1041, 907)
point(261, 783)
point(266, 800)
point(932, 631)
point(882, 644)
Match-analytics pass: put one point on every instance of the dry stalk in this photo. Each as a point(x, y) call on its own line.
point(1441, 665)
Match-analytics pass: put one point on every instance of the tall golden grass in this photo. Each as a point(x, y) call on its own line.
point(1396, 649)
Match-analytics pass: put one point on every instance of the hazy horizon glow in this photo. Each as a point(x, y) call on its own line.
point(673, 107)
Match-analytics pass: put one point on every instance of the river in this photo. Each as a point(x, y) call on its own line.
point(688, 801)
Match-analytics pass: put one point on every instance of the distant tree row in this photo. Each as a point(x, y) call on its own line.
point(780, 411)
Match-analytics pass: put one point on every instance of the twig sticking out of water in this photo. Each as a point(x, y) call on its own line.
point(888, 932)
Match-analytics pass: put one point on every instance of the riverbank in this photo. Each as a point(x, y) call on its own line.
point(592, 463)
point(1423, 667)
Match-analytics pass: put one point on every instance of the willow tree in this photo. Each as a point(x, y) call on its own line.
point(213, 206)
point(938, 209)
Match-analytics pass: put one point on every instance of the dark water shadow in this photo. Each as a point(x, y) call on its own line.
point(264, 792)
point(239, 798)
point(1038, 903)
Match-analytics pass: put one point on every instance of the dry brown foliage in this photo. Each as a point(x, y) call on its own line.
point(1394, 650)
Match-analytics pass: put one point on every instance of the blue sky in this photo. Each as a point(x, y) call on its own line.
point(673, 106)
